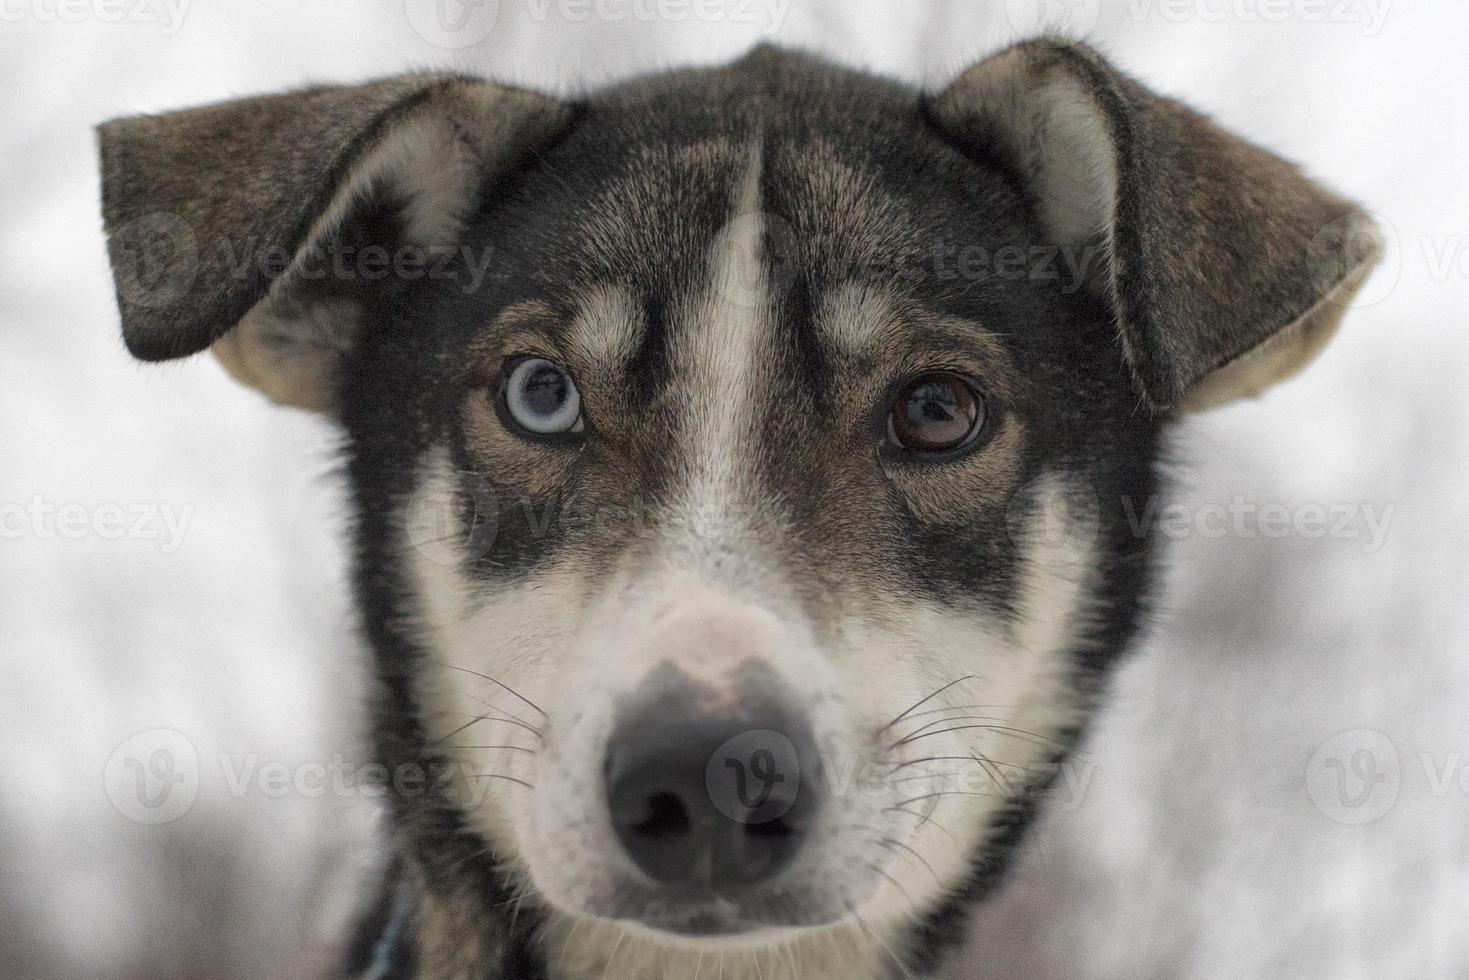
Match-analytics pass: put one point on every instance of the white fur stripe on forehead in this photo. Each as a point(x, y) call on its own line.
point(719, 352)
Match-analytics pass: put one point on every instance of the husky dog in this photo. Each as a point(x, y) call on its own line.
point(740, 461)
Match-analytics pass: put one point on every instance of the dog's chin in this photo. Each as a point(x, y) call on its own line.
point(703, 920)
point(716, 925)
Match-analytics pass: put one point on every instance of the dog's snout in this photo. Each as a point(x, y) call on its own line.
point(713, 801)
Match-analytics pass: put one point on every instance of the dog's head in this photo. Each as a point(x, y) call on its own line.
point(742, 457)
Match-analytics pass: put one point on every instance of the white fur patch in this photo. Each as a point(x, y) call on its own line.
point(855, 317)
point(607, 327)
point(719, 352)
point(1055, 135)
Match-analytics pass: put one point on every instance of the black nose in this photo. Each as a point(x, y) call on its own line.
point(718, 801)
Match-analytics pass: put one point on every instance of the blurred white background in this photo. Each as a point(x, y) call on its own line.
point(1280, 787)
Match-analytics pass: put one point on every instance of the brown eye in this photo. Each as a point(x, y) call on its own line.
point(936, 413)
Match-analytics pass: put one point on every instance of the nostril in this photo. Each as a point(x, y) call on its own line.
point(667, 816)
point(657, 822)
point(771, 828)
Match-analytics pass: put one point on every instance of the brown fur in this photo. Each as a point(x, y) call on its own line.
point(1214, 244)
point(271, 176)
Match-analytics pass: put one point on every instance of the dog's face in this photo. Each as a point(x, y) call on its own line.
point(743, 513)
point(726, 470)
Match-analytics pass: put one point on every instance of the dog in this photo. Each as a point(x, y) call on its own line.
point(740, 461)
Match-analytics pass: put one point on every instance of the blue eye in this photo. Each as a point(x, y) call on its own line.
point(541, 398)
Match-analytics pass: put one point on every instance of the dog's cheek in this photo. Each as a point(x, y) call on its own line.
point(564, 836)
point(1016, 697)
point(494, 652)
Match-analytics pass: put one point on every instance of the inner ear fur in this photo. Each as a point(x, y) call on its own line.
point(1226, 269)
point(218, 217)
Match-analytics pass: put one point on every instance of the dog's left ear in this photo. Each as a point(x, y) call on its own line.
point(1226, 269)
point(246, 226)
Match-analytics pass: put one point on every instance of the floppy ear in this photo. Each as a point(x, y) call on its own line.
point(222, 221)
point(1226, 269)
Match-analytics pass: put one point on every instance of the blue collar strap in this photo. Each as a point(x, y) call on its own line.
point(382, 949)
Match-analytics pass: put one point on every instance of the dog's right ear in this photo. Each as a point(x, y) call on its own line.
point(221, 220)
point(1225, 268)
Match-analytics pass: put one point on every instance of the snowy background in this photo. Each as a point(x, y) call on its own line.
point(1280, 787)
